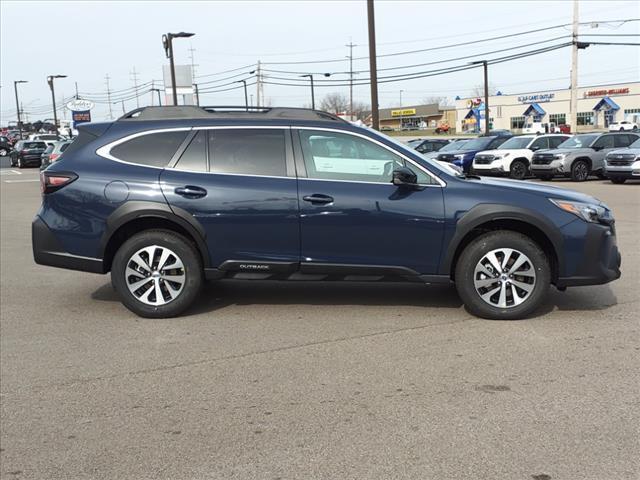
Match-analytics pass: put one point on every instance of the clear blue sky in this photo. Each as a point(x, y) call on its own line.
point(86, 40)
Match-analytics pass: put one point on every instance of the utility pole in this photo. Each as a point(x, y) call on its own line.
point(15, 88)
point(350, 57)
point(573, 108)
point(106, 78)
point(77, 96)
point(50, 80)
point(193, 64)
point(373, 66)
point(152, 89)
point(134, 77)
point(258, 84)
point(195, 86)
point(487, 127)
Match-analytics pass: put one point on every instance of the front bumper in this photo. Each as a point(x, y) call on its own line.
point(553, 168)
point(47, 250)
point(595, 256)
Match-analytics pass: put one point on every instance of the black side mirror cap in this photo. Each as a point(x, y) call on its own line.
point(404, 177)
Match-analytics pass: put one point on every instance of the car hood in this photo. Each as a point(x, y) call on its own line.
point(632, 151)
point(544, 190)
point(510, 151)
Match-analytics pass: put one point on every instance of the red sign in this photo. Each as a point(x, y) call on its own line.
point(604, 93)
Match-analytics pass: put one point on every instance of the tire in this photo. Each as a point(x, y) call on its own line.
point(534, 270)
point(20, 165)
point(518, 170)
point(579, 171)
point(177, 296)
point(618, 181)
point(3, 152)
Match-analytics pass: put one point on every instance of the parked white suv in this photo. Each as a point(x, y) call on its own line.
point(513, 157)
point(623, 126)
point(622, 165)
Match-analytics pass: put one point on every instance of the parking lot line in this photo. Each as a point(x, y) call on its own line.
point(22, 181)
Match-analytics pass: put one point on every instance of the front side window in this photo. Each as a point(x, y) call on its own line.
point(605, 141)
point(540, 143)
point(153, 149)
point(338, 156)
point(515, 143)
point(248, 152)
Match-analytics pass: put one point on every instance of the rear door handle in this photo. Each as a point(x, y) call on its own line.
point(191, 191)
point(318, 198)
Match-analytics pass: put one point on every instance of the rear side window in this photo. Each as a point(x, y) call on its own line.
point(555, 141)
point(247, 152)
point(606, 141)
point(154, 149)
point(194, 158)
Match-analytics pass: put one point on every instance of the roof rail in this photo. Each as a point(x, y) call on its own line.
point(226, 112)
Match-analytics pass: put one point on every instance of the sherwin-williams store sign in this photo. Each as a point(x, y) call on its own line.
point(402, 113)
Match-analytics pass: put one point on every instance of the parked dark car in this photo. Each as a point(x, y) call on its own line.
point(27, 154)
point(428, 145)
point(166, 197)
point(463, 158)
point(5, 146)
point(53, 152)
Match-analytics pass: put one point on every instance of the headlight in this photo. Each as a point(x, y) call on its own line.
point(459, 157)
point(589, 212)
point(501, 156)
point(559, 156)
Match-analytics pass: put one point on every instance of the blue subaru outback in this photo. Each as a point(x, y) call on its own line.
point(167, 197)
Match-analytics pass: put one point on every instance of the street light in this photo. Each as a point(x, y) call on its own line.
point(167, 43)
point(246, 98)
point(486, 93)
point(15, 88)
point(313, 99)
point(50, 80)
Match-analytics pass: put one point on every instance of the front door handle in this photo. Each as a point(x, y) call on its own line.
point(318, 198)
point(191, 191)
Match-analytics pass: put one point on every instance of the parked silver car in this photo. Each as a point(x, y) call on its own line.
point(579, 156)
point(622, 165)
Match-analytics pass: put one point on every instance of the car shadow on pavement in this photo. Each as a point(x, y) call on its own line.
point(224, 293)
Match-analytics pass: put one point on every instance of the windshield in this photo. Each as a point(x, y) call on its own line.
point(516, 143)
point(579, 141)
point(455, 145)
point(477, 143)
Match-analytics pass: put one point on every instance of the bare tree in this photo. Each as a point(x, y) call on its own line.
point(478, 90)
point(335, 103)
point(361, 110)
point(441, 101)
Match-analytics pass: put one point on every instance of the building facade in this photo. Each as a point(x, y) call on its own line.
point(597, 107)
point(416, 116)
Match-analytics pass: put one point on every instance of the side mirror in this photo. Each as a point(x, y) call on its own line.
point(404, 177)
point(534, 148)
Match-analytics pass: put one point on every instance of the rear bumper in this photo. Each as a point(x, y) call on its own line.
point(600, 259)
point(47, 250)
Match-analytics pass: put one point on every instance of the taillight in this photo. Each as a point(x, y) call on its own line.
point(53, 181)
point(53, 156)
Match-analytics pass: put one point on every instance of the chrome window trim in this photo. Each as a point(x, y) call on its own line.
point(440, 183)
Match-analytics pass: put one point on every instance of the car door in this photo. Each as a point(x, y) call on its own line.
point(602, 146)
point(540, 144)
point(352, 218)
point(240, 185)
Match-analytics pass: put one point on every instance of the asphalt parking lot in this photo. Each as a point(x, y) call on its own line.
point(309, 381)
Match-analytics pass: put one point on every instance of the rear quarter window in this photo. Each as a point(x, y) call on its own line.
point(153, 149)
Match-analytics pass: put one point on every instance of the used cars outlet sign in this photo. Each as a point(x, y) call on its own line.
point(541, 97)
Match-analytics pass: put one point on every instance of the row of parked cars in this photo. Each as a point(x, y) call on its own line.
point(38, 150)
point(613, 155)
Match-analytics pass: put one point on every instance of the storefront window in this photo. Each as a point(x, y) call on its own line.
point(558, 118)
point(517, 122)
point(585, 118)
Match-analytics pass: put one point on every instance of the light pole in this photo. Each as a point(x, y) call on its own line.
point(167, 42)
point(15, 88)
point(486, 93)
point(50, 80)
point(313, 99)
point(246, 98)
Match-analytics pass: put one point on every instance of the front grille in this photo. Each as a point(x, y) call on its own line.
point(483, 159)
point(542, 159)
point(446, 158)
point(620, 159)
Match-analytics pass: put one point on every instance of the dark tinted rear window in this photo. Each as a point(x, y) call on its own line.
point(154, 149)
point(247, 151)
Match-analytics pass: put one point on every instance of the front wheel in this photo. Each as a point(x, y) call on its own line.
point(3, 152)
point(158, 274)
point(518, 170)
point(502, 275)
point(579, 171)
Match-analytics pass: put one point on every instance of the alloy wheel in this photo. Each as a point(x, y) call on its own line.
point(518, 170)
point(3, 152)
point(504, 278)
point(581, 171)
point(155, 275)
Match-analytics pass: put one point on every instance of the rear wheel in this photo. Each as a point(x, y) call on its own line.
point(579, 171)
point(618, 180)
point(158, 273)
point(518, 170)
point(502, 275)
